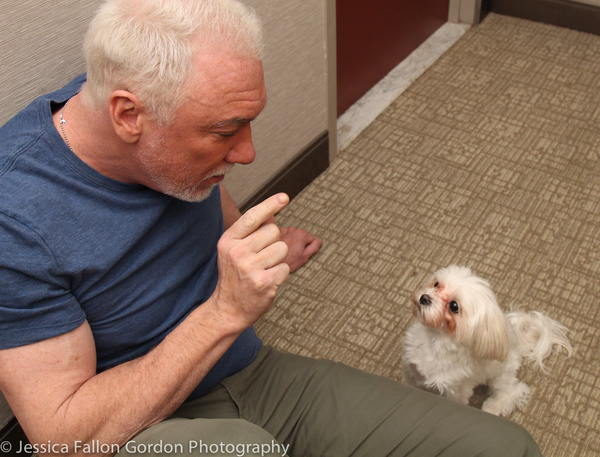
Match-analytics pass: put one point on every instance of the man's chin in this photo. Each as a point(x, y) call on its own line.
point(196, 195)
point(193, 193)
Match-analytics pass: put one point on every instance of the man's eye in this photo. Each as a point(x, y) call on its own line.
point(227, 134)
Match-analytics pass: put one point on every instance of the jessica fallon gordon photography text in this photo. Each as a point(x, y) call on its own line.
point(196, 447)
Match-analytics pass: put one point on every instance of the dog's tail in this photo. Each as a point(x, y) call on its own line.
point(538, 335)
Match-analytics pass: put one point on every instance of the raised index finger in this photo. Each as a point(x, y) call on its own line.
point(252, 219)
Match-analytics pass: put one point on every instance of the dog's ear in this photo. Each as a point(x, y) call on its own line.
point(490, 337)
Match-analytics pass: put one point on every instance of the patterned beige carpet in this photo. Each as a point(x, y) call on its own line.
point(491, 159)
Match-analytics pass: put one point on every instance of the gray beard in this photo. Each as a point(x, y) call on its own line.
point(180, 188)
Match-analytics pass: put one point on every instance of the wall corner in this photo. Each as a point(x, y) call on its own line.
point(464, 11)
point(331, 46)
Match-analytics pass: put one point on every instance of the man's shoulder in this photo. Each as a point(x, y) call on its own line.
point(27, 142)
point(29, 123)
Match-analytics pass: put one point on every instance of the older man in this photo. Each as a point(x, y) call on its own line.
point(130, 283)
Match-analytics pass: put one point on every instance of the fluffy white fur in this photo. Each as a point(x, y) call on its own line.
point(463, 339)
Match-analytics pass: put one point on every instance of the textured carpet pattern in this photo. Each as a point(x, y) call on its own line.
point(491, 159)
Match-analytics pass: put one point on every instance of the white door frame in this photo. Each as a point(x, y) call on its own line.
point(464, 11)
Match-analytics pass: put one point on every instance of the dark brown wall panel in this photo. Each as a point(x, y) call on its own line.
point(373, 36)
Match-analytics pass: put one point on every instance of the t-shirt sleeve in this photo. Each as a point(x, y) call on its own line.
point(36, 302)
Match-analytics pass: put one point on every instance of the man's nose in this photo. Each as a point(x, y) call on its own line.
point(242, 149)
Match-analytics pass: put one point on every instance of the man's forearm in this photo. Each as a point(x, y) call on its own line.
point(114, 406)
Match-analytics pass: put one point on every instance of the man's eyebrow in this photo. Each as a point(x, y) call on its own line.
point(237, 121)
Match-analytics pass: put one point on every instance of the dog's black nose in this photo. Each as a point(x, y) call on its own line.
point(425, 300)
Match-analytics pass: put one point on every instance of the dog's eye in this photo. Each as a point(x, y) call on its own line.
point(436, 285)
point(454, 307)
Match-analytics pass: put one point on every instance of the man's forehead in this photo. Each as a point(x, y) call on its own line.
point(224, 68)
point(224, 90)
point(222, 108)
point(220, 77)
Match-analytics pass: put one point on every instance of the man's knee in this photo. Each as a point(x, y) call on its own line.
point(499, 437)
point(193, 437)
point(518, 442)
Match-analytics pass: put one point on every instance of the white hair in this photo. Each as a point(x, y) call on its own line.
point(147, 47)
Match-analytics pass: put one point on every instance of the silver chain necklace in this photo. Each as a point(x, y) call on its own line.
point(62, 123)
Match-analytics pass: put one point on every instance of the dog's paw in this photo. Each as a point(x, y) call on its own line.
point(521, 395)
point(502, 404)
point(493, 406)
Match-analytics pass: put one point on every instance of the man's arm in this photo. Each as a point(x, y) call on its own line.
point(301, 244)
point(53, 388)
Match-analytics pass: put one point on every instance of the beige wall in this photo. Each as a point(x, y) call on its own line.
point(40, 48)
point(40, 51)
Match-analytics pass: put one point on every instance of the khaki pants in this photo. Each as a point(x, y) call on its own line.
point(284, 404)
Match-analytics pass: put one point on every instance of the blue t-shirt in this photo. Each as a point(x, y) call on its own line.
point(77, 245)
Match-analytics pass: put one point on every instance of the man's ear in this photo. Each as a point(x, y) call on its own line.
point(127, 115)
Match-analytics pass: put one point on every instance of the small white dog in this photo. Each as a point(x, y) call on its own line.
point(463, 339)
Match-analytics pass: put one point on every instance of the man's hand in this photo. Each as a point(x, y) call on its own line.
point(251, 263)
point(301, 246)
